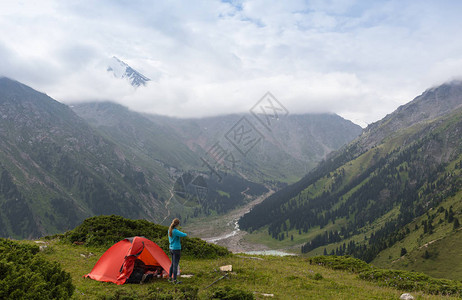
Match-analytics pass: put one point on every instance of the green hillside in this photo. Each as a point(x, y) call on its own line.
point(55, 170)
point(283, 277)
point(432, 245)
point(366, 198)
point(252, 277)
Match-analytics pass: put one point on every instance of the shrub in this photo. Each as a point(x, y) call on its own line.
point(317, 276)
point(456, 224)
point(403, 251)
point(198, 248)
point(184, 292)
point(108, 230)
point(24, 274)
point(228, 293)
point(403, 280)
point(346, 263)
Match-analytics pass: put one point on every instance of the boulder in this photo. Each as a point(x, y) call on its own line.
point(227, 268)
point(406, 296)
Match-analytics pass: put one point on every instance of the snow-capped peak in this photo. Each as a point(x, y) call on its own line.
point(122, 70)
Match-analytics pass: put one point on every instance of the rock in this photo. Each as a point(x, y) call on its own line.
point(406, 296)
point(43, 247)
point(227, 268)
point(86, 255)
point(264, 294)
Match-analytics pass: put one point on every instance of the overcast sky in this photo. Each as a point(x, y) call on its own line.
point(359, 59)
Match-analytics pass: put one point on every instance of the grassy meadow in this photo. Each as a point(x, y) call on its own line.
point(259, 276)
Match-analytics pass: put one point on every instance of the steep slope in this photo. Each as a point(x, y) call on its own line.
point(358, 200)
point(159, 148)
point(433, 103)
point(138, 134)
point(432, 242)
point(56, 170)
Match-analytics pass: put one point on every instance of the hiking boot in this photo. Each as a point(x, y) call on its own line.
point(176, 282)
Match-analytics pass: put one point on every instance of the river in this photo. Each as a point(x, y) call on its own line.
point(224, 230)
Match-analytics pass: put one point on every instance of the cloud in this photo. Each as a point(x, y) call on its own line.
point(360, 59)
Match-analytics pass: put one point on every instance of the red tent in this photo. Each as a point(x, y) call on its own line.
point(116, 264)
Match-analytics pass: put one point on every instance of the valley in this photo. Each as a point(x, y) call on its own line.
point(60, 164)
point(390, 196)
point(309, 149)
point(224, 230)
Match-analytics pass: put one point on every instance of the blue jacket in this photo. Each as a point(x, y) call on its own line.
point(174, 240)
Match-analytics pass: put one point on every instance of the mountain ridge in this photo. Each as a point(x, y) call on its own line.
point(425, 107)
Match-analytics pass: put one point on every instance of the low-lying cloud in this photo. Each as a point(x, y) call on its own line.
point(359, 59)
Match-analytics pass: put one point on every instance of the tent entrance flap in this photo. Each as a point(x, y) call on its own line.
point(148, 259)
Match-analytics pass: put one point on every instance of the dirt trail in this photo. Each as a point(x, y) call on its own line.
point(224, 230)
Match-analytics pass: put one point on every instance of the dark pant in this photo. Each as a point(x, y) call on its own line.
point(175, 261)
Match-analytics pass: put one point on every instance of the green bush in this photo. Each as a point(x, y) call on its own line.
point(346, 263)
point(228, 293)
point(403, 280)
point(156, 293)
point(108, 230)
point(198, 248)
point(122, 295)
point(413, 281)
point(184, 292)
point(24, 274)
point(317, 276)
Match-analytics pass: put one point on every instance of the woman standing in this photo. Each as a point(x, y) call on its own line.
point(174, 236)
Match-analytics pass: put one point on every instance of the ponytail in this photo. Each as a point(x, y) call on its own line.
point(175, 223)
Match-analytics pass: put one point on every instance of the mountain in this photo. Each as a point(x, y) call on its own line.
point(138, 134)
point(370, 195)
point(123, 71)
point(59, 165)
point(56, 169)
point(179, 145)
point(294, 145)
point(161, 150)
point(433, 103)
